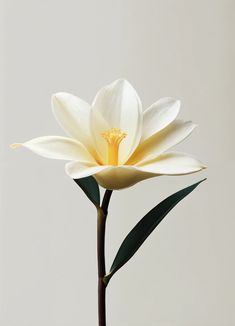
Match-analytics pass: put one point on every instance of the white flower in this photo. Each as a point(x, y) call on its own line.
point(114, 140)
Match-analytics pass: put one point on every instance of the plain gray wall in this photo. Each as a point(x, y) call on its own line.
point(184, 273)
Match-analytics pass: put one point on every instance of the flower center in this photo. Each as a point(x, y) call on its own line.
point(113, 136)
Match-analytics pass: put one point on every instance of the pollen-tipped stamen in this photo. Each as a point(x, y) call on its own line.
point(113, 136)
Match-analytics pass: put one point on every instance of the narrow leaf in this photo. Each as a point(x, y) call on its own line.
point(144, 228)
point(90, 188)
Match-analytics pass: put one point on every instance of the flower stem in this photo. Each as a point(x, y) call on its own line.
point(102, 213)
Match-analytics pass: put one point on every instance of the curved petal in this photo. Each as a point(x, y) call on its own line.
point(78, 170)
point(159, 115)
point(172, 163)
point(73, 115)
point(117, 105)
point(119, 177)
point(109, 177)
point(162, 141)
point(56, 147)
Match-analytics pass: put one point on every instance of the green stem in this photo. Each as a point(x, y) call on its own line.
point(102, 213)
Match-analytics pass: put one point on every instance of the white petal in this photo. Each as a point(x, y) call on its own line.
point(78, 170)
point(162, 141)
point(109, 177)
point(119, 177)
point(159, 115)
point(73, 115)
point(56, 147)
point(173, 163)
point(117, 105)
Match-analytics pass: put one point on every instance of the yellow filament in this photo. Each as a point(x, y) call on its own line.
point(113, 136)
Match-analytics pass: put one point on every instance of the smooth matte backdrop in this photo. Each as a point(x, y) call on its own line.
point(184, 273)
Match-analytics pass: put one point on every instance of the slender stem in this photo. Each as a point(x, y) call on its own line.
point(102, 213)
point(106, 200)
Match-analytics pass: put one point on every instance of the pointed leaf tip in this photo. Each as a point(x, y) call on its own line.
point(145, 227)
point(90, 188)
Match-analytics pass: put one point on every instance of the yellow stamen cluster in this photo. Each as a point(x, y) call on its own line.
point(113, 136)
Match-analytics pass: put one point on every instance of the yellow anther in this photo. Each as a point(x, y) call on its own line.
point(113, 136)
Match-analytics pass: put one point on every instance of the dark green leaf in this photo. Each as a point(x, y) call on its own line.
point(144, 228)
point(91, 189)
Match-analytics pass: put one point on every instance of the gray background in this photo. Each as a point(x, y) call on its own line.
point(184, 273)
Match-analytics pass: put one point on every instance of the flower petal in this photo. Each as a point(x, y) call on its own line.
point(159, 115)
point(117, 105)
point(162, 141)
point(73, 115)
point(109, 177)
point(78, 170)
point(61, 148)
point(119, 177)
point(172, 163)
